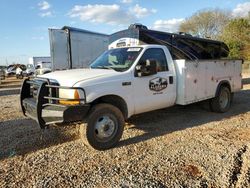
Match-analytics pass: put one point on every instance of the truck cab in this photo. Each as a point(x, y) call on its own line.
point(146, 76)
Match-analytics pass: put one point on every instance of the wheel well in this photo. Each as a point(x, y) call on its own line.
point(223, 83)
point(113, 100)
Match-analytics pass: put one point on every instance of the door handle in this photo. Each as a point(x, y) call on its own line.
point(171, 79)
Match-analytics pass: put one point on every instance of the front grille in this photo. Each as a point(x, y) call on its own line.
point(49, 92)
point(53, 92)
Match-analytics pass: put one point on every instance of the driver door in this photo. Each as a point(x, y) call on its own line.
point(154, 91)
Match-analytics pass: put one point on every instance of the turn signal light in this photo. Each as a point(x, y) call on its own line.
point(70, 94)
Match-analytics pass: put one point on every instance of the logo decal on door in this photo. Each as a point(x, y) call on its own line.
point(158, 84)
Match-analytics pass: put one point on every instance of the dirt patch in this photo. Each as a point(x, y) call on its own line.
point(193, 171)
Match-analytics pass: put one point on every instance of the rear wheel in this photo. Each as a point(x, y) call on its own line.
point(104, 127)
point(222, 102)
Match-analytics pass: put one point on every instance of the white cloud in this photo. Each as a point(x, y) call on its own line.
point(44, 5)
point(241, 10)
point(45, 9)
point(110, 14)
point(171, 25)
point(141, 12)
point(127, 1)
point(99, 13)
point(46, 14)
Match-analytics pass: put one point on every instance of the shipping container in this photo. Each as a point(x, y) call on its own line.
point(72, 48)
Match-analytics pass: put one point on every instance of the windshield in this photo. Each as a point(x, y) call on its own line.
point(119, 59)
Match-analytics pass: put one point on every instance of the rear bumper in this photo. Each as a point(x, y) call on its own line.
point(48, 111)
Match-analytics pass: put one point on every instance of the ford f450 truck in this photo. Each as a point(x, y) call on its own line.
point(132, 77)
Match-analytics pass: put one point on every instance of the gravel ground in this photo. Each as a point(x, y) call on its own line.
point(176, 147)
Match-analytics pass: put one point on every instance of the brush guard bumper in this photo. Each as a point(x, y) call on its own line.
point(40, 101)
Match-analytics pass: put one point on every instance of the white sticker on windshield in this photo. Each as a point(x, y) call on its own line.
point(133, 49)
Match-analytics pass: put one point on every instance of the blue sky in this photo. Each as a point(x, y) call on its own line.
point(25, 23)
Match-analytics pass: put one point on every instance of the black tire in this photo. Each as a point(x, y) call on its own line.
point(222, 102)
point(104, 119)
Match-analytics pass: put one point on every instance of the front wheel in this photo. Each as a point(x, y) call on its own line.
point(104, 126)
point(222, 102)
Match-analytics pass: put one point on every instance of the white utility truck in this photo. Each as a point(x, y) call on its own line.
point(72, 48)
point(43, 67)
point(42, 63)
point(143, 70)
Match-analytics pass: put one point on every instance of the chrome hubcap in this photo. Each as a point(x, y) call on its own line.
point(104, 127)
point(224, 99)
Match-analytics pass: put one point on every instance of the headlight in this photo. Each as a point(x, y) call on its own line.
point(75, 96)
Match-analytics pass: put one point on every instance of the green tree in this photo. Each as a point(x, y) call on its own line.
point(236, 35)
point(206, 23)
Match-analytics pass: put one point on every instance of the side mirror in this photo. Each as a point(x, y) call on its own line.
point(146, 68)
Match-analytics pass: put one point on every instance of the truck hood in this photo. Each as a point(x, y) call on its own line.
point(71, 77)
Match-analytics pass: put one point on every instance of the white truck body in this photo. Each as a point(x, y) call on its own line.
point(72, 48)
point(198, 80)
point(192, 82)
